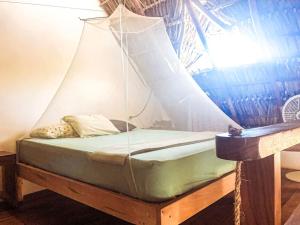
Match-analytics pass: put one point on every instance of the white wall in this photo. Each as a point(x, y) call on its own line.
point(36, 47)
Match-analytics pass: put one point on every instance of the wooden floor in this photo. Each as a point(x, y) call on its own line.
point(48, 208)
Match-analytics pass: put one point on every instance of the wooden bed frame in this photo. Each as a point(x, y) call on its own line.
point(132, 210)
point(258, 148)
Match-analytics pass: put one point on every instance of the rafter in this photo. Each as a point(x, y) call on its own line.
point(197, 24)
point(214, 19)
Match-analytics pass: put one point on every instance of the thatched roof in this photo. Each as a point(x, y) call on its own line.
point(187, 22)
point(251, 94)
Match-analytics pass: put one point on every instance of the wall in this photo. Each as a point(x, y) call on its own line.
point(36, 47)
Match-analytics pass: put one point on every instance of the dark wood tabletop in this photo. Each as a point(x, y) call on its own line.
point(258, 143)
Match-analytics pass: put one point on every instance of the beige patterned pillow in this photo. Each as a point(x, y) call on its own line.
point(63, 130)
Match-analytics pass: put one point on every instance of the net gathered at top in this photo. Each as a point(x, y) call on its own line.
point(125, 68)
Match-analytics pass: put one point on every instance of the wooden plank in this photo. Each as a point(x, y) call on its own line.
point(214, 19)
point(19, 185)
point(295, 148)
point(7, 158)
point(261, 192)
point(294, 218)
point(258, 143)
point(187, 206)
point(118, 205)
point(8, 164)
point(291, 209)
point(9, 182)
point(197, 24)
point(5, 153)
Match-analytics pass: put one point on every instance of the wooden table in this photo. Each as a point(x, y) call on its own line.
point(259, 149)
point(9, 178)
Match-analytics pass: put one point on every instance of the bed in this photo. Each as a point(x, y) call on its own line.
point(158, 175)
point(257, 182)
point(162, 177)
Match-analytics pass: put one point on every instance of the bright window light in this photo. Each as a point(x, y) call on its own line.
point(233, 49)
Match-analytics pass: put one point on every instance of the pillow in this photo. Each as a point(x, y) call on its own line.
point(91, 125)
point(122, 125)
point(54, 131)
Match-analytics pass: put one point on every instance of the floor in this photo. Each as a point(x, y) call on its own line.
point(48, 208)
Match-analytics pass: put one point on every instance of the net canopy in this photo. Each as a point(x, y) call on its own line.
point(125, 68)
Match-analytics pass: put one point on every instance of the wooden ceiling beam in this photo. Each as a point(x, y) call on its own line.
point(196, 22)
point(213, 18)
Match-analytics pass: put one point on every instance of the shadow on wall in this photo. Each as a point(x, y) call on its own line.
point(32, 62)
point(9, 144)
point(37, 45)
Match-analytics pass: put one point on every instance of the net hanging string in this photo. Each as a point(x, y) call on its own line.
point(144, 6)
point(125, 71)
point(115, 31)
point(49, 5)
point(144, 107)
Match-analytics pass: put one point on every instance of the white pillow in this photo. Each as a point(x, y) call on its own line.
point(91, 125)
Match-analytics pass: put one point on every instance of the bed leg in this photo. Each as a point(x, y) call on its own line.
point(165, 219)
point(261, 192)
point(158, 218)
point(10, 182)
point(19, 190)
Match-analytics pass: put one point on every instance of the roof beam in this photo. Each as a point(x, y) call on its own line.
point(214, 19)
point(197, 24)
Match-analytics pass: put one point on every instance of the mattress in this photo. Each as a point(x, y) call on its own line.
point(153, 176)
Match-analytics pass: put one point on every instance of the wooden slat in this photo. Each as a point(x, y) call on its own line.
point(9, 178)
point(118, 205)
point(7, 158)
point(197, 24)
point(187, 206)
point(295, 148)
point(19, 190)
point(258, 143)
point(295, 217)
point(9, 181)
point(4, 153)
point(214, 19)
point(292, 210)
point(261, 192)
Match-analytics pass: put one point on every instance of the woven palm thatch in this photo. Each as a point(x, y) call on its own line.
point(253, 94)
point(171, 10)
point(180, 25)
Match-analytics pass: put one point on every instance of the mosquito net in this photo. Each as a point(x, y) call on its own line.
point(125, 69)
